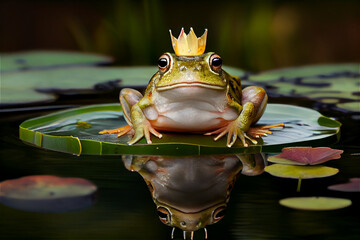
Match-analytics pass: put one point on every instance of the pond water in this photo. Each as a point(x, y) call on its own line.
point(124, 208)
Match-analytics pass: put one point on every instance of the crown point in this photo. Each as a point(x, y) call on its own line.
point(189, 44)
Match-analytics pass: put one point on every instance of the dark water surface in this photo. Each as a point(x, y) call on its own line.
point(124, 208)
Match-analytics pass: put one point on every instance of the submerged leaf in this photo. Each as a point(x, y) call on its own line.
point(305, 155)
point(352, 186)
point(300, 172)
point(45, 193)
point(315, 203)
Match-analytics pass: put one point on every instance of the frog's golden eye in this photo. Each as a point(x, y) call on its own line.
point(215, 62)
point(164, 62)
point(164, 215)
point(218, 214)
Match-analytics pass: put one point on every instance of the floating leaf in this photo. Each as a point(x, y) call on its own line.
point(315, 203)
point(331, 85)
point(349, 106)
point(30, 60)
point(20, 87)
point(302, 172)
point(234, 71)
point(36, 86)
point(46, 193)
point(322, 70)
point(305, 155)
point(352, 186)
point(58, 132)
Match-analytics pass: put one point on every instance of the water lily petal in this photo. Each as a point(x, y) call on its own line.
point(306, 155)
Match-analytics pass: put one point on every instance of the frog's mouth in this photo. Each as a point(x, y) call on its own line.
point(189, 84)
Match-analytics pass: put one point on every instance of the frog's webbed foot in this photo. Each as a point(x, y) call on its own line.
point(233, 132)
point(262, 131)
point(144, 129)
point(120, 131)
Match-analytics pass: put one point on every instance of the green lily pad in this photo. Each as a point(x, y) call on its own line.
point(339, 87)
point(31, 60)
point(300, 172)
point(45, 193)
point(349, 106)
point(234, 71)
point(30, 86)
point(10, 97)
point(330, 85)
point(315, 203)
point(59, 132)
point(40, 86)
point(325, 70)
point(305, 155)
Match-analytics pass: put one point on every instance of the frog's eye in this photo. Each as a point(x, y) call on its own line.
point(218, 214)
point(164, 62)
point(164, 215)
point(215, 62)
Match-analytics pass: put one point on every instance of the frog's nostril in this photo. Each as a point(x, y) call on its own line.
point(198, 67)
point(183, 68)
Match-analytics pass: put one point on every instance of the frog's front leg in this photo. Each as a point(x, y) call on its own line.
point(254, 100)
point(134, 104)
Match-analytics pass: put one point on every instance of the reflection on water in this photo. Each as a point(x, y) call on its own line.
point(47, 194)
point(193, 192)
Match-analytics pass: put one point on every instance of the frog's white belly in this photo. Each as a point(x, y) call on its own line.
point(190, 109)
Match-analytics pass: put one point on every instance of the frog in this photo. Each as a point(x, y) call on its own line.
point(192, 93)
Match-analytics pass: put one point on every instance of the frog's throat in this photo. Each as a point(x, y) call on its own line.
point(189, 84)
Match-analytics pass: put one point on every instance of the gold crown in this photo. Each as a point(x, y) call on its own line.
point(189, 45)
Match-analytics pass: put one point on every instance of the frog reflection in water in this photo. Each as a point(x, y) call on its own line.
point(192, 93)
point(192, 192)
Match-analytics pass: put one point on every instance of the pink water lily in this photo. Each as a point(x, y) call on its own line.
point(307, 155)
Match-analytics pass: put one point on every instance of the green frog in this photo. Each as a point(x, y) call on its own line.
point(192, 93)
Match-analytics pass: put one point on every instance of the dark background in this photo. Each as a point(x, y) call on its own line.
point(253, 35)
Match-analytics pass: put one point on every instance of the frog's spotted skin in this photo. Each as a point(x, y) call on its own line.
point(193, 94)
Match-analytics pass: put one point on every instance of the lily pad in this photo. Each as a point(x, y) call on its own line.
point(305, 155)
point(16, 86)
point(321, 89)
point(349, 106)
point(46, 193)
point(300, 172)
point(59, 132)
point(330, 85)
point(322, 71)
point(40, 86)
point(352, 186)
point(31, 60)
point(315, 203)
